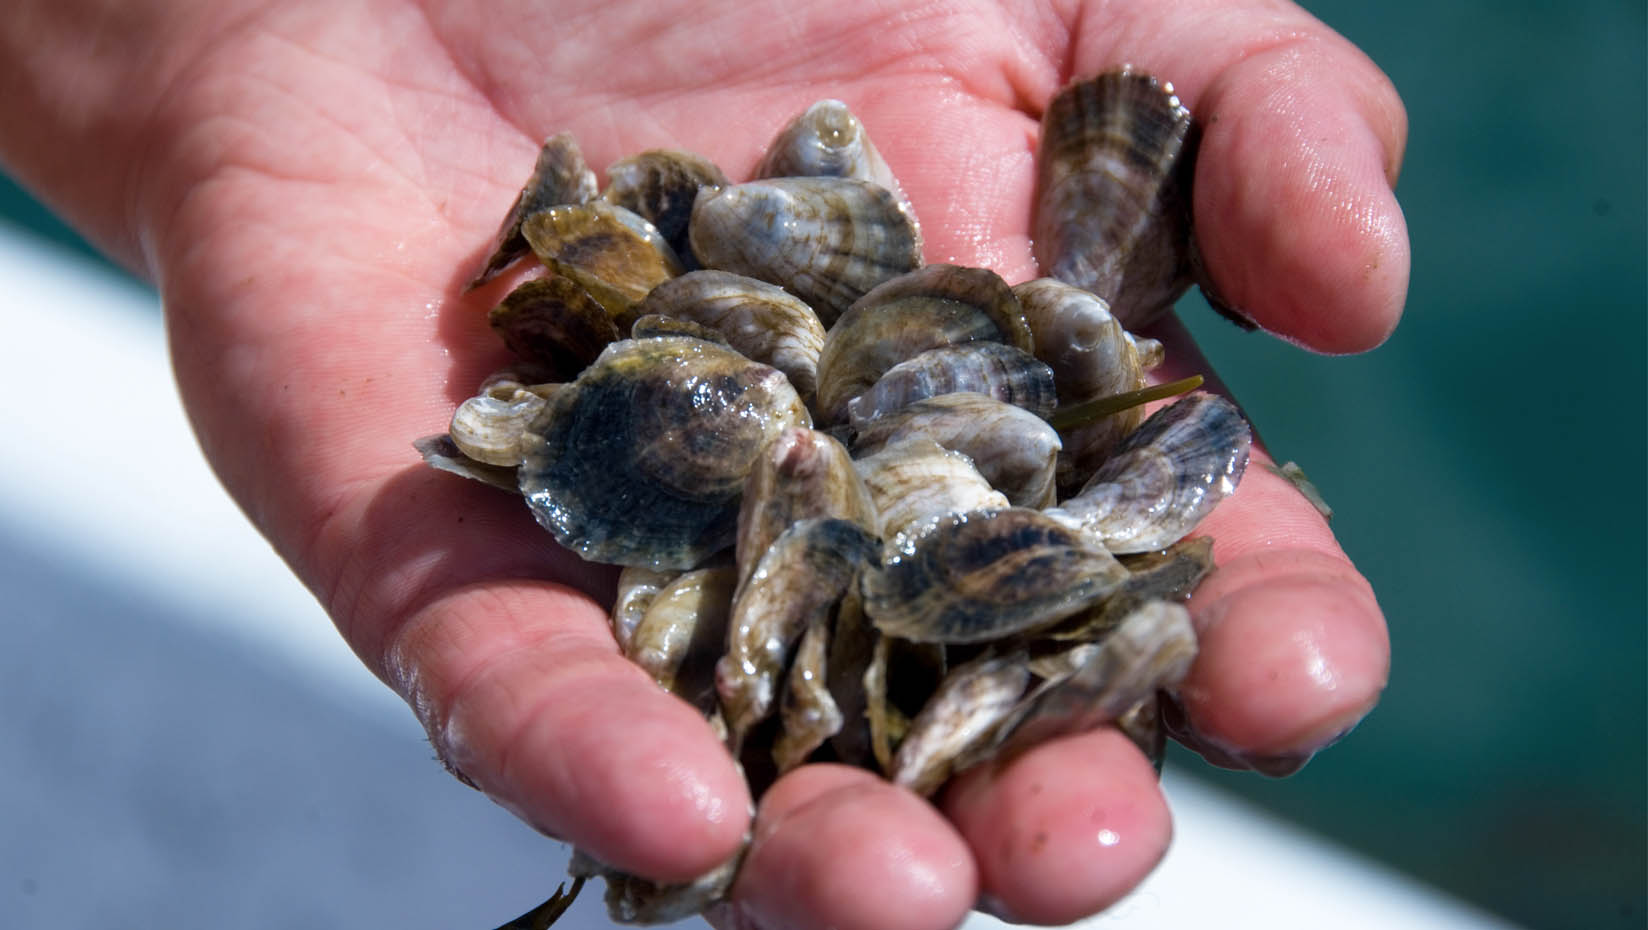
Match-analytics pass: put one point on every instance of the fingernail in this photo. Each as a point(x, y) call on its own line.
point(990, 904)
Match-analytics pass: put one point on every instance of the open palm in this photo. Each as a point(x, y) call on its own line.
point(310, 186)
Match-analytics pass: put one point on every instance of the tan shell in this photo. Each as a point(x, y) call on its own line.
point(916, 482)
point(611, 252)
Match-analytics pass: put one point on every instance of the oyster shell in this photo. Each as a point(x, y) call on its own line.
point(802, 474)
point(1113, 192)
point(611, 252)
point(560, 176)
point(762, 321)
point(827, 140)
point(826, 240)
point(808, 709)
point(491, 426)
point(1165, 477)
point(962, 715)
point(554, 321)
point(934, 306)
point(1151, 650)
point(985, 575)
point(1008, 374)
point(916, 482)
point(799, 580)
point(1015, 450)
point(681, 634)
point(660, 186)
point(641, 461)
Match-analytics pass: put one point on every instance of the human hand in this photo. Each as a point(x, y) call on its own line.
point(310, 189)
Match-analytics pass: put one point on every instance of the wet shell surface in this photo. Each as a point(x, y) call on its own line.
point(826, 240)
point(986, 575)
point(1167, 476)
point(642, 459)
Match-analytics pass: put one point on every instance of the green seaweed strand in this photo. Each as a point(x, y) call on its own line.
point(1100, 407)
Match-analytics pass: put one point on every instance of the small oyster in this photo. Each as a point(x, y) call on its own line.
point(827, 140)
point(762, 321)
point(1006, 373)
point(916, 482)
point(660, 186)
point(1015, 450)
point(641, 461)
point(1152, 649)
point(681, 635)
point(554, 321)
point(560, 176)
point(799, 580)
point(985, 575)
point(825, 240)
point(611, 252)
point(1165, 477)
point(802, 474)
point(1112, 204)
point(962, 715)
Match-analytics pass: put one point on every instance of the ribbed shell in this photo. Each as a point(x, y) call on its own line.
point(916, 482)
point(934, 306)
point(985, 575)
point(827, 140)
point(826, 240)
point(1010, 375)
point(762, 321)
point(1112, 204)
point(641, 461)
point(1014, 449)
point(1167, 476)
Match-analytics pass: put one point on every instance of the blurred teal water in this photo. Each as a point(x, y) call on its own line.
point(1486, 466)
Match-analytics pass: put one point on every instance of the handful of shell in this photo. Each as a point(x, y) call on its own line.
point(890, 514)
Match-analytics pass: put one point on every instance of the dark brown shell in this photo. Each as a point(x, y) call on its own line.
point(660, 185)
point(641, 461)
point(553, 321)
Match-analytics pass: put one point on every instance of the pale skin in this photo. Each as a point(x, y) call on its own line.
point(310, 185)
